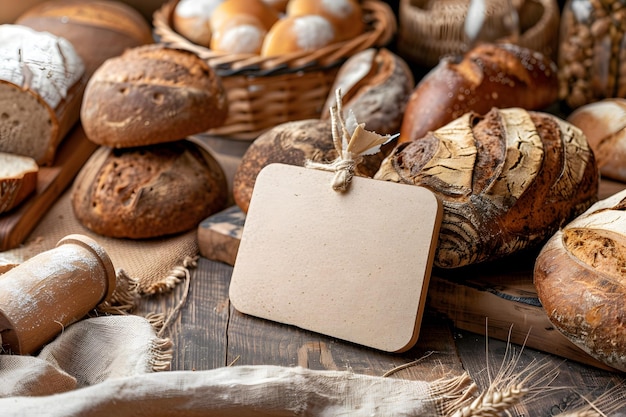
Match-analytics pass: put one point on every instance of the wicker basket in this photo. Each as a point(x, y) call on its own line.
point(430, 29)
point(266, 91)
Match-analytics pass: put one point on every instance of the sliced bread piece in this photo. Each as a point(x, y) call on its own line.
point(18, 179)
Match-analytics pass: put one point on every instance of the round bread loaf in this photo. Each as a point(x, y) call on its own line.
point(293, 143)
point(580, 276)
point(507, 181)
point(148, 191)
point(345, 15)
point(490, 75)
point(228, 9)
point(191, 18)
point(376, 85)
point(152, 94)
point(243, 34)
point(298, 34)
point(97, 29)
point(604, 124)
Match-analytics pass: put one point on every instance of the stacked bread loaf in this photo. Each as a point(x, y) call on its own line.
point(146, 180)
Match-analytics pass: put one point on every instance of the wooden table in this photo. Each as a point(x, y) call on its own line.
point(209, 333)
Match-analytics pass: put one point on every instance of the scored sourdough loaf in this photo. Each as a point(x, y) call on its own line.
point(152, 94)
point(148, 191)
point(97, 29)
point(507, 181)
point(18, 179)
point(604, 124)
point(375, 85)
point(489, 75)
point(41, 85)
point(580, 276)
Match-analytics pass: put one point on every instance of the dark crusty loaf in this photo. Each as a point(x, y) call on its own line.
point(148, 191)
point(152, 94)
point(604, 124)
point(375, 85)
point(490, 75)
point(97, 29)
point(507, 180)
point(42, 80)
point(293, 143)
point(580, 276)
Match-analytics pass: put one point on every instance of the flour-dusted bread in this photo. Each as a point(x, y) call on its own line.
point(18, 179)
point(507, 181)
point(152, 94)
point(191, 18)
point(97, 29)
point(376, 85)
point(41, 85)
point(489, 75)
point(580, 276)
point(604, 124)
point(148, 191)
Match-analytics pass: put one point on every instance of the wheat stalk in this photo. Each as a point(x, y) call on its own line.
point(492, 402)
point(606, 404)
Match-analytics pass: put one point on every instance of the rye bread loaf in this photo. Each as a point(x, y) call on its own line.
point(293, 143)
point(489, 75)
point(580, 276)
point(41, 85)
point(604, 124)
point(18, 179)
point(152, 94)
point(507, 181)
point(148, 191)
point(97, 29)
point(375, 85)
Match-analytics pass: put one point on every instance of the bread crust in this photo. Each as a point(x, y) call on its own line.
point(16, 186)
point(148, 191)
point(580, 276)
point(490, 75)
point(507, 181)
point(152, 94)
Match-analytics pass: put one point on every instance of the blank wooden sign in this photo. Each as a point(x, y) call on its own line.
point(352, 265)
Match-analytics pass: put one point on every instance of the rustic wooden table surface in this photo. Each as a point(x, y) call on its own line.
point(209, 333)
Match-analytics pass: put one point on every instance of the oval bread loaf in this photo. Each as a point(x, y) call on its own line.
point(604, 124)
point(18, 179)
point(507, 181)
point(580, 276)
point(97, 29)
point(152, 94)
point(490, 75)
point(42, 79)
point(148, 191)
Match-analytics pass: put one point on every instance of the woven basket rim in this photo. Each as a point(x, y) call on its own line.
point(381, 27)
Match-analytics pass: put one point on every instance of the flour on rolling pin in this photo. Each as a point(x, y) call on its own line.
point(351, 263)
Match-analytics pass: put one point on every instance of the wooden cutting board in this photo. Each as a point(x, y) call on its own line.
point(498, 300)
point(52, 181)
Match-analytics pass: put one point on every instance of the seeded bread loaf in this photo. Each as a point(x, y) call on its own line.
point(41, 85)
point(97, 29)
point(18, 179)
point(152, 94)
point(580, 276)
point(507, 181)
point(148, 191)
point(489, 75)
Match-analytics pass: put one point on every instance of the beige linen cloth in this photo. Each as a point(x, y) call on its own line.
point(108, 365)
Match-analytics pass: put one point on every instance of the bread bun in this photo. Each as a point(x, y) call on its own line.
point(152, 94)
point(97, 29)
point(148, 191)
point(490, 75)
point(507, 181)
point(604, 124)
point(42, 79)
point(18, 179)
point(345, 15)
point(230, 8)
point(376, 85)
point(580, 280)
point(191, 18)
point(293, 143)
point(298, 34)
point(243, 34)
